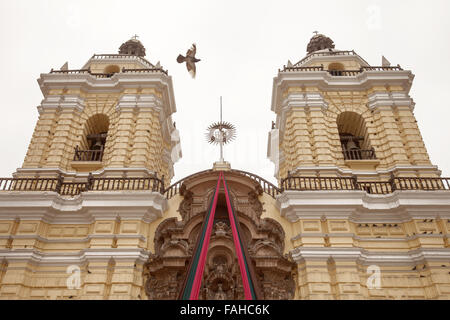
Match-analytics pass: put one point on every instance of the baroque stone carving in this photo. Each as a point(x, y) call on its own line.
point(165, 271)
point(186, 205)
point(256, 205)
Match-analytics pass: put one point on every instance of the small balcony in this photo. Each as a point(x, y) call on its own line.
point(87, 160)
point(359, 154)
point(360, 159)
point(90, 159)
point(88, 155)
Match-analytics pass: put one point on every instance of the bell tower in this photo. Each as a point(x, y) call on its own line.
point(336, 115)
point(112, 117)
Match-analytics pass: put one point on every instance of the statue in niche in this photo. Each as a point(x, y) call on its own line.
point(220, 294)
point(221, 228)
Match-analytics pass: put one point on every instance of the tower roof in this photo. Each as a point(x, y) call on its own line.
point(319, 42)
point(132, 47)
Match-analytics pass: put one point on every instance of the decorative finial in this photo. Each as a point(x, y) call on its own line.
point(316, 32)
point(135, 37)
point(220, 133)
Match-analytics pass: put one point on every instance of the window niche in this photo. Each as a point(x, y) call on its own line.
point(354, 137)
point(92, 144)
point(111, 70)
point(336, 69)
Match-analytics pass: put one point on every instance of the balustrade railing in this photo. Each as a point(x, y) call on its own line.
point(266, 186)
point(151, 69)
point(406, 183)
point(371, 187)
point(73, 188)
point(318, 183)
point(154, 184)
point(88, 155)
point(339, 73)
point(383, 68)
point(28, 184)
point(327, 53)
point(294, 69)
point(359, 154)
point(344, 73)
point(122, 56)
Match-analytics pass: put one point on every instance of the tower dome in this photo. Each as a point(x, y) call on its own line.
point(319, 42)
point(133, 47)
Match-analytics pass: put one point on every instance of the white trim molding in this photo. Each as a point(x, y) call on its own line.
point(38, 258)
point(412, 170)
point(326, 82)
point(85, 208)
point(400, 206)
point(366, 257)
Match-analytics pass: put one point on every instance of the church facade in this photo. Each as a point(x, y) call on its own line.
point(359, 211)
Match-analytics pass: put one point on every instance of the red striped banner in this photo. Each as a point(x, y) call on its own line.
point(192, 285)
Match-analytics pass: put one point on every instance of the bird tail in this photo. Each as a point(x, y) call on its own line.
point(192, 73)
point(181, 59)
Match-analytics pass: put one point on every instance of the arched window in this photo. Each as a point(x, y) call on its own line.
point(354, 137)
point(94, 139)
point(111, 69)
point(335, 69)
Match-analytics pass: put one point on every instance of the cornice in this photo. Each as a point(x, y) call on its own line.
point(115, 59)
point(366, 257)
point(314, 58)
point(115, 84)
point(400, 206)
point(307, 100)
point(85, 208)
point(62, 102)
point(38, 258)
point(326, 82)
point(106, 172)
point(390, 99)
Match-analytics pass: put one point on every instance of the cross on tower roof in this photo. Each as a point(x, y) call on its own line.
point(316, 32)
point(135, 37)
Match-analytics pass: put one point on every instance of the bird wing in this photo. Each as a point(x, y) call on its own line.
point(192, 51)
point(190, 65)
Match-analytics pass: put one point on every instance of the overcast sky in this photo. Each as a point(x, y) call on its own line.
point(241, 43)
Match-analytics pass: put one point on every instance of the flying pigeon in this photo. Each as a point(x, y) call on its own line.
point(190, 59)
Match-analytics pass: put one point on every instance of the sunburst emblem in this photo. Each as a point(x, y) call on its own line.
point(220, 133)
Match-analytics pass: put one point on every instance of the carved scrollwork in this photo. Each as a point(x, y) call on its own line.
point(175, 241)
point(255, 204)
point(186, 205)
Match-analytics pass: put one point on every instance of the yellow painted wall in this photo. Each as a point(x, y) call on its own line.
point(311, 137)
point(134, 138)
point(99, 279)
point(337, 279)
